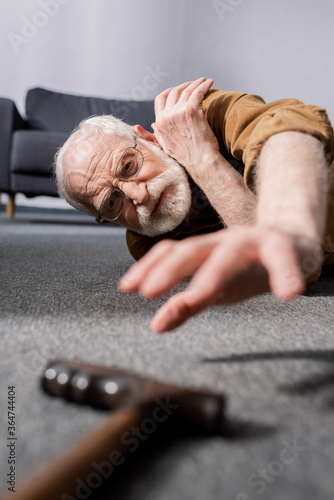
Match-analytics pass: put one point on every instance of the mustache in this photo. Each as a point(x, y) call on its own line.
point(155, 188)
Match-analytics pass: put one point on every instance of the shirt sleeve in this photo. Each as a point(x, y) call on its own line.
point(243, 123)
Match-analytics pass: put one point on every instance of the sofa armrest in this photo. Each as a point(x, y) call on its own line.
point(10, 120)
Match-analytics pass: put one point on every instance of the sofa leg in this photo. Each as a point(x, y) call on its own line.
point(11, 206)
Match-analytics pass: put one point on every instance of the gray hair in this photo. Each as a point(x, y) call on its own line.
point(105, 125)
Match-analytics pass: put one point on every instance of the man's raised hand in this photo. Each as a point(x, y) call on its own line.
point(181, 127)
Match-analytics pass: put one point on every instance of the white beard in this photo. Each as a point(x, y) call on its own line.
point(174, 207)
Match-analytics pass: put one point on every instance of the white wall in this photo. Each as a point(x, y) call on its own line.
point(137, 48)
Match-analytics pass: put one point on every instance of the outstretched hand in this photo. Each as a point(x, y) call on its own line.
point(227, 266)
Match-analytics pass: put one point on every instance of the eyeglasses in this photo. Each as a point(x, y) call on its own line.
point(127, 169)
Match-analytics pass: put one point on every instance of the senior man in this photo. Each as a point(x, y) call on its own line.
point(265, 172)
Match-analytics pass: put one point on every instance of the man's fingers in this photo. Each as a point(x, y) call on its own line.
point(224, 264)
point(166, 264)
point(194, 94)
point(209, 286)
point(132, 279)
point(175, 93)
point(280, 259)
point(178, 264)
point(217, 277)
point(168, 260)
point(182, 93)
point(161, 99)
point(228, 266)
point(177, 310)
point(276, 254)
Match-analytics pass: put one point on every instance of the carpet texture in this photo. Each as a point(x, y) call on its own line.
point(273, 361)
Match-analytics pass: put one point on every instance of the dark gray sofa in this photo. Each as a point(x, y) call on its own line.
point(28, 145)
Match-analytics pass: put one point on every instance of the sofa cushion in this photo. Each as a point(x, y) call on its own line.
point(49, 110)
point(10, 120)
point(33, 185)
point(33, 151)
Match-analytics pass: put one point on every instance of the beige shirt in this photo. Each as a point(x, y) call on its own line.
point(242, 123)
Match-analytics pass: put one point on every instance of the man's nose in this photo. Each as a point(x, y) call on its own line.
point(135, 191)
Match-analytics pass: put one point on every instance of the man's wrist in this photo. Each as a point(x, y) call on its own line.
point(308, 251)
point(212, 167)
point(225, 189)
point(290, 225)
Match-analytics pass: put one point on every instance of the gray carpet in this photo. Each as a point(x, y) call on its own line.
point(273, 361)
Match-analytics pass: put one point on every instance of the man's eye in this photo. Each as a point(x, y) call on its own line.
point(115, 203)
point(129, 168)
point(112, 202)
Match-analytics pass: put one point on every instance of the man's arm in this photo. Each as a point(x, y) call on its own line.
point(276, 254)
point(245, 122)
point(292, 184)
point(184, 133)
point(187, 127)
point(226, 190)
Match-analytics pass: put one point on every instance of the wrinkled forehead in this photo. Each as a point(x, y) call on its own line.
point(89, 160)
point(82, 154)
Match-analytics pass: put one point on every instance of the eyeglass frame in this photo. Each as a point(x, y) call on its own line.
point(99, 216)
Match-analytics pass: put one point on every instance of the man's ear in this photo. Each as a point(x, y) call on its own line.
point(145, 135)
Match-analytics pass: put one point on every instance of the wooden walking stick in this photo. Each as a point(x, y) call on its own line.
point(141, 405)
